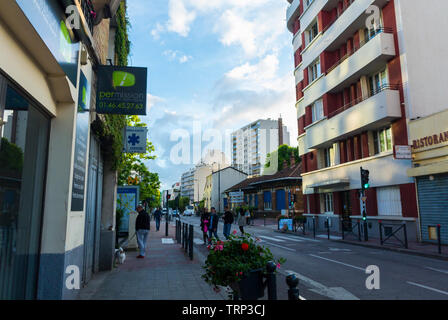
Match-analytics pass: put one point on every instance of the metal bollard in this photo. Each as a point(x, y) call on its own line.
point(293, 292)
point(405, 235)
point(186, 238)
point(190, 242)
point(328, 228)
point(314, 227)
point(381, 231)
point(271, 280)
point(166, 225)
point(439, 239)
point(359, 231)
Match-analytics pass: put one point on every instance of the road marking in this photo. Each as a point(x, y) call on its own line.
point(288, 238)
point(276, 245)
point(345, 264)
point(273, 239)
point(438, 270)
point(336, 293)
point(338, 249)
point(426, 287)
point(306, 239)
point(167, 241)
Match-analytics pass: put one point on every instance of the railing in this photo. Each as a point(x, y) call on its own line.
point(439, 236)
point(392, 233)
point(344, 7)
point(89, 13)
point(361, 44)
point(348, 228)
point(361, 99)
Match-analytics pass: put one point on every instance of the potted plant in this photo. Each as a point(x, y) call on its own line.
point(239, 264)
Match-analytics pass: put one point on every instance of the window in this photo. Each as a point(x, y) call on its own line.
point(382, 140)
point(328, 202)
point(329, 157)
point(377, 82)
point(314, 71)
point(317, 111)
point(308, 2)
point(267, 200)
point(312, 32)
point(389, 201)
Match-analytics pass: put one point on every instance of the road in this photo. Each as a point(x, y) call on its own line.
point(333, 270)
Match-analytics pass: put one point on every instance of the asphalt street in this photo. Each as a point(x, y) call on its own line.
point(333, 270)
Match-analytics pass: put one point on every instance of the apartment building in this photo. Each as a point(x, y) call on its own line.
point(252, 143)
point(351, 86)
point(193, 182)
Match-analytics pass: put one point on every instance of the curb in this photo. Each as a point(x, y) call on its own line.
point(401, 250)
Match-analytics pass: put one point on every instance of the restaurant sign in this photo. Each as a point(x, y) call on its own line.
point(121, 90)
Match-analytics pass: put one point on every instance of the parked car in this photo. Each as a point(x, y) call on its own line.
point(189, 211)
point(175, 213)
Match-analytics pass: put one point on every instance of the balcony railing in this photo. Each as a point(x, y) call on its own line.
point(344, 7)
point(89, 13)
point(361, 99)
point(361, 44)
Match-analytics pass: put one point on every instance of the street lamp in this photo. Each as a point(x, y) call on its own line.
point(219, 184)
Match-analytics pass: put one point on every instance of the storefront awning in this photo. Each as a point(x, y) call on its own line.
point(327, 185)
point(433, 168)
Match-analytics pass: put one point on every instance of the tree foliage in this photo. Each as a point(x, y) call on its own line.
point(285, 152)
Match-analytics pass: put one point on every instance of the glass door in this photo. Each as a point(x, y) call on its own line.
point(23, 157)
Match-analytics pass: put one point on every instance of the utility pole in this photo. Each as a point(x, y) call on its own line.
point(364, 186)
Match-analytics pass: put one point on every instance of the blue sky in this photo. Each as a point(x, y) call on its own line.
point(219, 64)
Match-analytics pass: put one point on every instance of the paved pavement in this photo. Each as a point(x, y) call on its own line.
point(166, 273)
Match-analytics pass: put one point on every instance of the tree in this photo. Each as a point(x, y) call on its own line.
point(285, 152)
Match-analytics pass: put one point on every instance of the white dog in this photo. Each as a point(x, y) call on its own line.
point(120, 256)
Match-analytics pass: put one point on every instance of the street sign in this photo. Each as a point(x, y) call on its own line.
point(135, 139)
point(236, 197)
point(403, 152)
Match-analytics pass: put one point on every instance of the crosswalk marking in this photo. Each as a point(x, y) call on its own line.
point(306, 239)
point(289, 238)
point(167, 241)
point(272, 239)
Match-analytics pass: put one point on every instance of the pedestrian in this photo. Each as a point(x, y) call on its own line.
point(247, 215)
point(157, 217)
point(205, 219)
point(228, 220)
point(241, 219)
point(142, 230)
point(213, 225)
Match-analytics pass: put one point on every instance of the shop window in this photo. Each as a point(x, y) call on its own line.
point(328, 202)
point(382, 140)
point(23, 157)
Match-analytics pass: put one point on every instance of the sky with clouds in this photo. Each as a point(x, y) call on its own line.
point(212, 64)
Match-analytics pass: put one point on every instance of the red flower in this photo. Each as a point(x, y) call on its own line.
point(245, 246)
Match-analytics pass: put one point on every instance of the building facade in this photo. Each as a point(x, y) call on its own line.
point(220, 181)
point(193, 182)
point(272, 195)
point(55, 219)
point(252, 143)
point(351, 82)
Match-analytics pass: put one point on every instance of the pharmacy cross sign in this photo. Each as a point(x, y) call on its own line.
point(134, 139)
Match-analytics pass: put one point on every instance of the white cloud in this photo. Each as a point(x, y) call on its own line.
point(177, 55)
point(157, 31)
point(179, 17)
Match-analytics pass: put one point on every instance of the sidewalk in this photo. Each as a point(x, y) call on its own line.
point(416, 248)
point(166, 273)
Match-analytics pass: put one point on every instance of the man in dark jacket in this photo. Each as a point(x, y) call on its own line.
point(142, 230)
point(213, 225)
point(157, 217)
point(228, 220)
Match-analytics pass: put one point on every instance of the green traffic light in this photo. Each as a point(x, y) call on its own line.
point(366, 186)
point(364, 218)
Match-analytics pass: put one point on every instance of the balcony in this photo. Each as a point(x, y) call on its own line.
point(346, 176)
point(292, 13)
point(370, 114)
point(367, 59)
point(350, 21)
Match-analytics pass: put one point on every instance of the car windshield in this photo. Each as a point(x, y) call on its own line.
point(190, 207)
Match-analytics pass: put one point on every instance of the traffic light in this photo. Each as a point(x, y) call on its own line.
point(364, 179)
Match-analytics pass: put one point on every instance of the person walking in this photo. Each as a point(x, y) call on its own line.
point(157, 217)
point(247, 215)
point(213, 225)
point(205, 220)
point(142, 230)
point(228, 220)
point(241, 219)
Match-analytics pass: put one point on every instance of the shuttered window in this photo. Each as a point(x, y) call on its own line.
point(389, 201)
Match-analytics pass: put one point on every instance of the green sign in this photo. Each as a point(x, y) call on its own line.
point(121, 90)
